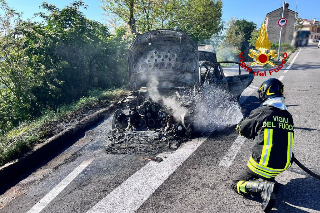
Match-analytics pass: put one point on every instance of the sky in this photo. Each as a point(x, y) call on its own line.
point(251, 10)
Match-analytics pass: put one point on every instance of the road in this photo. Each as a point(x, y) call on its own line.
point(194, 178)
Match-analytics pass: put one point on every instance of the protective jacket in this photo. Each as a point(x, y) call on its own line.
point(272, 130)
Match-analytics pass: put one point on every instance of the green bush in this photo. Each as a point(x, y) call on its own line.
point(56, 62)
point(285, 47)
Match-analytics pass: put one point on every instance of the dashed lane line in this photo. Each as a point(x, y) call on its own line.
point(253, 87)
point(57, 189)
point(232, 152)
point(235, 147)
point(247, 93)
point(292, 62)
point(133, 192)
point(281, 77)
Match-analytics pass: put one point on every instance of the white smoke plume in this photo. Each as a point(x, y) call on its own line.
point(214, 108)
point(170, 102)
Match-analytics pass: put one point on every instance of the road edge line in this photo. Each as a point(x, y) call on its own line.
point(292, 61)
point(232, 152)
point(40, 205)
point(12, 172)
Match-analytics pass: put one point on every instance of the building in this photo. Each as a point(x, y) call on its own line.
point(314, 28)
point(273, 29)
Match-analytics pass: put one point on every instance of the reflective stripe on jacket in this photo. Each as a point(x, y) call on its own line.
point(272, 130)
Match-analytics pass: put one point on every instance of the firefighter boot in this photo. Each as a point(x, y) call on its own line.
point(268, 191)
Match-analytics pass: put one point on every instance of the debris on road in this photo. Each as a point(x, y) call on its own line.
point(172, 96)
point(143, 142)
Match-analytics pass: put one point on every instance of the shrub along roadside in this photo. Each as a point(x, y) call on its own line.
point(285, 47)
point(46, 64)
point(18, 141)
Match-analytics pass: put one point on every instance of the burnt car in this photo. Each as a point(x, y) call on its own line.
point(166, 69)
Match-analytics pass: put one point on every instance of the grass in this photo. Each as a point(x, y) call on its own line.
point(23, 138)
point(285, 47)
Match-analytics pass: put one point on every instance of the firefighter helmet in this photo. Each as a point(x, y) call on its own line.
point(270, 88)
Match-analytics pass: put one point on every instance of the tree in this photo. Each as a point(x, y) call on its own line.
point(81, 52)
point(246, 27)
point(46, 64)
point(234, 36)
point(198, 18)
point(17, 78)
point(239, 34)
point(130, 11)
point(254, 37)
point(299, 24)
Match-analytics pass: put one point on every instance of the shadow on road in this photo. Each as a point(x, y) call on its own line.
point(299, 195)
point(307, 129)
point(308, 66)
point(251, 103)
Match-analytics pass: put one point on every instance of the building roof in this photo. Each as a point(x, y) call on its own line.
point(281, 10)
point(307, 22)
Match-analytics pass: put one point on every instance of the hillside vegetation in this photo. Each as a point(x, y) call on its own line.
point(55, 62)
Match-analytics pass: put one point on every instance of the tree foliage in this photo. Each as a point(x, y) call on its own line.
point(254, 37)
point(299, 23)
point(198, 18)
point(234, 36)
point(239, 34)
point(17, 77)
point(56, 61)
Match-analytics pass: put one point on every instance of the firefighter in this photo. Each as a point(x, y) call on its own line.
point(271, 127)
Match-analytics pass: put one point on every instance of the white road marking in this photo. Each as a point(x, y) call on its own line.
point(303, 209)
point(292, 62)
point(133, 192)
point(281, 77)
point(235, 147)
point(57, 189)
point(232, 152)
point(253, 87)
point(246, 93)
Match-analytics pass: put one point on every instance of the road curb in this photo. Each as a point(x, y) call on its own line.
point(12, 172)
point(291, 56)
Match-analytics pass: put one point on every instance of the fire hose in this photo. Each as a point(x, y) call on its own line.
point(311, 173)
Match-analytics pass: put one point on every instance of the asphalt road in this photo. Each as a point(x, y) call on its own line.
point(195, 178)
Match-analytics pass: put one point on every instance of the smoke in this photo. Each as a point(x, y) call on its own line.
point(227, 52)
point(170, 102)
point(215, 109)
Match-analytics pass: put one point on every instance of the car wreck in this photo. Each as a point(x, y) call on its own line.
point(168, 72)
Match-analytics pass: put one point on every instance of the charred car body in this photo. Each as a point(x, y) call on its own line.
point(164, 66)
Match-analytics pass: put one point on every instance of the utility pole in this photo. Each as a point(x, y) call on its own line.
point(295, 17)
point(279, 48)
